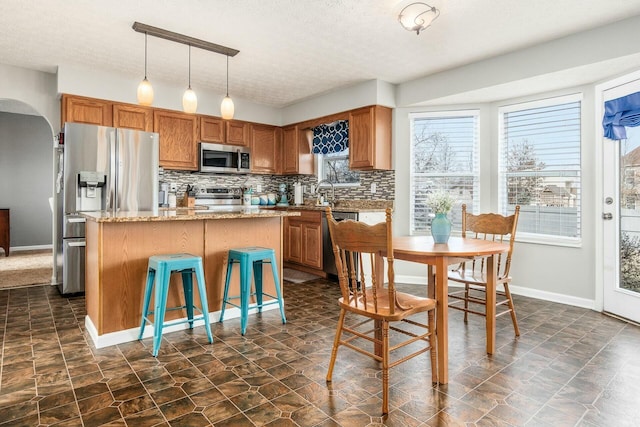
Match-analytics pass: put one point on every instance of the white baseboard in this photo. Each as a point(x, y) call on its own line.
point(128, 335)
point(29, 248)
point(517, 290)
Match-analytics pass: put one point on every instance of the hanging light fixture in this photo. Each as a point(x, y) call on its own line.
point(417, 16)
point(145, 91)
point(189, 99)
point(226, 108)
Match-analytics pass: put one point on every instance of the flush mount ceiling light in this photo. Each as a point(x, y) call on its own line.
point(145, 91)
point(417, 16)
point(227, 108)
point(189, 100)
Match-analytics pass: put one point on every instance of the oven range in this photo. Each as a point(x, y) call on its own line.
point(219, 197)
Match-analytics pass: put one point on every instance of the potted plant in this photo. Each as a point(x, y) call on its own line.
point(440, 203)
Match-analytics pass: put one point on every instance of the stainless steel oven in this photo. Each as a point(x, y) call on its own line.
point(328, 258)
point(218, 158)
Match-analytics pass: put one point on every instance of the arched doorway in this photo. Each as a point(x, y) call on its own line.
point(26, 185)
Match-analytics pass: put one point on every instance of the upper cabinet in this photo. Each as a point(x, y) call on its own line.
point(370, 138)
point(265, 148)
point(296, 151)
point(78, 109)
point(238, 132)
point(212, 129)
point(133, 117)
point(178, 139)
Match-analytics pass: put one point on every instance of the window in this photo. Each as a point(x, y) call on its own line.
point(540, 168)
point(334, 167)
point(444, 156)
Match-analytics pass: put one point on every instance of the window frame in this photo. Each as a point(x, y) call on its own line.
point(538, 238)
point(476, 161)
point(320, 170)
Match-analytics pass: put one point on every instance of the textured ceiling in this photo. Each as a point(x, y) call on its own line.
point(289, 49)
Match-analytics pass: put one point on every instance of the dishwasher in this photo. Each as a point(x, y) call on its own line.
point(328, 259)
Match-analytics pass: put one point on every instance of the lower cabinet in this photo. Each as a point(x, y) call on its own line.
point(303, 239)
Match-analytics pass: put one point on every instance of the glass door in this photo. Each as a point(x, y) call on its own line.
point(621, 217)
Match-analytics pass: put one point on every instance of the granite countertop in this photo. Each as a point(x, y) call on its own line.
point(185, 214)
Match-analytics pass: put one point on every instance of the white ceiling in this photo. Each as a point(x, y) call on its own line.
point(290, 50)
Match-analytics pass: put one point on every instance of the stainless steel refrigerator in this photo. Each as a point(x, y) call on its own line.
point(98, 168)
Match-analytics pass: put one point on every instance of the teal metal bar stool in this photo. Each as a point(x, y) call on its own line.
point(160, 269)
point(247, 258)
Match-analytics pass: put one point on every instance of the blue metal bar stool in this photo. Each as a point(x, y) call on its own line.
point(160, 268)
point(248, 257)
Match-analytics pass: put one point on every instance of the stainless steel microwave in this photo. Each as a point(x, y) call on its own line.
point(220, 158)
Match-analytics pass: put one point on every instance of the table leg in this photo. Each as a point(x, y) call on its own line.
point(491, 304)
point(442, 318)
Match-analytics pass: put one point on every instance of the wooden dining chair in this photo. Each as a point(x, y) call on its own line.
point(367, 296)
point(472, 274)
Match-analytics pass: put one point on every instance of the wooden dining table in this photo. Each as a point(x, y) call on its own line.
point(438, 256)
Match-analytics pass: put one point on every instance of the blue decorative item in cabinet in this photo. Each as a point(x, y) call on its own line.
point(441, 228)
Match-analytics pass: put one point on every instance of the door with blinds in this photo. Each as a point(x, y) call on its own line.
point(621, 212)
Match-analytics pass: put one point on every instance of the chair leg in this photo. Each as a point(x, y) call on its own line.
point(336, 343)
point(385, 367)
point(466, 302)
point(162, 288)
point(512, 308)
point(204, 306)
point(276, 281)
point(187, 286)
point(433, 344)
point(226, 289)
point(257, 280)
point(245, 293)
point(151, 274)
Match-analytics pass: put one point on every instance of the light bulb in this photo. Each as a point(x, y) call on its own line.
point(145, 93)
point(189, 101)
point(226, 108)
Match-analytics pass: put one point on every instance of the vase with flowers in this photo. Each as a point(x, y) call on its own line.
point(440, 203)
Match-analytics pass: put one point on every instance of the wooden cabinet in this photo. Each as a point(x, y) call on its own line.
point(370, 138)
point(296, 151)
point(212, 129)
point(133, 117)
point(78, 109)
point(303, 239)
point(178, 139)
point(237, 132)
point(5, 234)
point(264, 148)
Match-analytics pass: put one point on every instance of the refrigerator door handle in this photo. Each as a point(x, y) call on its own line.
point(77, 220)
point(77, 244)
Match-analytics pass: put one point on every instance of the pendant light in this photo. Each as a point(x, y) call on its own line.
point(145, 91)
point(189, 99)
point(227, 108)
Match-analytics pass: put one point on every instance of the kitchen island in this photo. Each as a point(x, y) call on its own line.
point(119, 246)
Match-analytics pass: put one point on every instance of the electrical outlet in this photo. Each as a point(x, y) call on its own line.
point(373, 188)
point(173, 187)
point(259, 188)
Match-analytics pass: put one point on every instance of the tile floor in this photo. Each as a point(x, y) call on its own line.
point(570, 367)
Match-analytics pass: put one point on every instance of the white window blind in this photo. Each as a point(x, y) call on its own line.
point(540, 167)
point(444, 156)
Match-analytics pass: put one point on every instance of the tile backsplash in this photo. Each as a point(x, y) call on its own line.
point(384, 181)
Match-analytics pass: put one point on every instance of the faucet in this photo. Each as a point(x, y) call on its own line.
point(333, 191)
